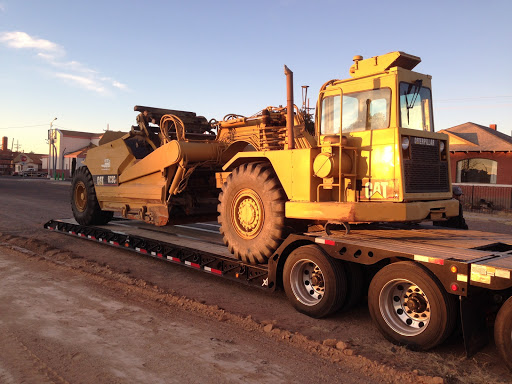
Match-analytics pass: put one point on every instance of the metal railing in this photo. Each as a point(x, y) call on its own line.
point(486, 198)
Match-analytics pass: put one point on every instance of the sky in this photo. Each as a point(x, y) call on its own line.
point(88, 63)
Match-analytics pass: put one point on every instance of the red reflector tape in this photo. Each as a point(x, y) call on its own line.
point(176, 259)
point(140, 250)
point(324, 241)
point(212, 270)
point(426, 259)
point(195, 265)
point(159, 255)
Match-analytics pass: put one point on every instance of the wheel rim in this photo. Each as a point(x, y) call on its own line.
point(307, 282)
point(405, 307)
point(247, 214)
point(80, 196)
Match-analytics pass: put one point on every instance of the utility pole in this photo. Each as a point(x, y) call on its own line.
point(51, 143)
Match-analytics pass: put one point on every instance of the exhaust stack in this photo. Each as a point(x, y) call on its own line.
point(289, 108)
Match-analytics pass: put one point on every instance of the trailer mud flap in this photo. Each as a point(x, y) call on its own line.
point(474, 327)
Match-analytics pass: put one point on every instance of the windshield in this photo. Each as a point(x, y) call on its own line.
point(416, 106)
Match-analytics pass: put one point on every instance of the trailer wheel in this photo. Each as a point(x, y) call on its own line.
point(503, 332)
point(84, 203)
point(251, 212)
point(410, 307)
point(315, 283)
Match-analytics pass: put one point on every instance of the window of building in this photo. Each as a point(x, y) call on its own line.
point(361, 111)
point(483, 171)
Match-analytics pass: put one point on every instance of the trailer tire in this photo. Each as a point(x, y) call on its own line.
point(314, 282)
point(251, 212)
point(410, 307)
point(503, 332)
point(85, 206)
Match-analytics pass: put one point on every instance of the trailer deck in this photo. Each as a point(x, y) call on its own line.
point(480, 258)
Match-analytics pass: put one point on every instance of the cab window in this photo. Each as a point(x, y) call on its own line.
point(361, 111)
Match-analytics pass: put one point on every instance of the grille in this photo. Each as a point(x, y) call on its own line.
point(424, 171)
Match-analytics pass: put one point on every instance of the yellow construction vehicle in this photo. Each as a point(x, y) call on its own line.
point(369, 155)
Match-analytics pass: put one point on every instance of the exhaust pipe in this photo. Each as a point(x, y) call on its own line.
point(289, 107)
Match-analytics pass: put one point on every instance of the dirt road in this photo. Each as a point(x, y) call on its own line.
point(145, 296)
point(63, 325)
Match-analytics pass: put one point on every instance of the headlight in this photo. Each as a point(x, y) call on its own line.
point(405, 143)
point(441, 146)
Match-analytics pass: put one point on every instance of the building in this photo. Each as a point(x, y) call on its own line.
point(67, 149)
point(27, 162)
point(481, 163)
point(6, 158)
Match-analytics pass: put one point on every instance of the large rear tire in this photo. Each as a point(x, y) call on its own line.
point(251, 212)
point(85, 206)
point(503, 332)
point(410, 307)
point(314, 282)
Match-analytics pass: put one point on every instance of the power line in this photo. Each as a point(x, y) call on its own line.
point(474, 98)
point(25, 126)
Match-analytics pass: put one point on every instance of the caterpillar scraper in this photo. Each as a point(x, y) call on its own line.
point(370, 154)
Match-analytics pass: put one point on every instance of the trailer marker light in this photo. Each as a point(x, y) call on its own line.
point(454, 269)
point(454, 287)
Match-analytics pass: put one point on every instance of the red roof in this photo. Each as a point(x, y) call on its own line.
point(471, 137)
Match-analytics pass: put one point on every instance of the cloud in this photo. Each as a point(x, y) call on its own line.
point(53, 54)
point(84, 82)
point(3, 7)
point(22, 40)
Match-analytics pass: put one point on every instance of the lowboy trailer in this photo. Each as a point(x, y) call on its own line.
point(423, 279)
